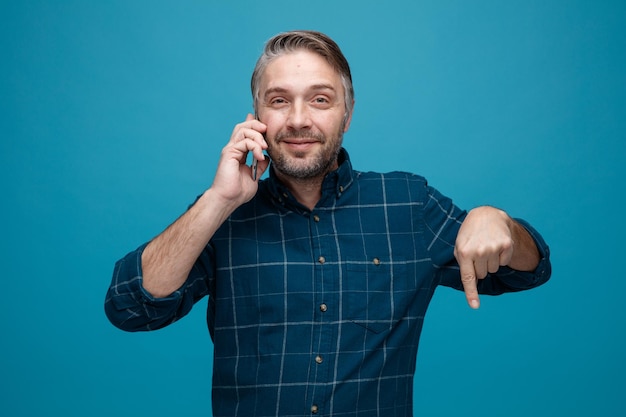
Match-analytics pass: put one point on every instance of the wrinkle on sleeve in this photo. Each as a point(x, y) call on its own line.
point(130, 307)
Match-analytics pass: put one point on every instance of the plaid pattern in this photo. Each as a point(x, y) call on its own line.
point(318, 312)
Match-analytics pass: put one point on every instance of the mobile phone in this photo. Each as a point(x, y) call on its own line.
point(255, 163)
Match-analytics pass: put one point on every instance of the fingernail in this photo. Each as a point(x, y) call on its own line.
point(474, 304)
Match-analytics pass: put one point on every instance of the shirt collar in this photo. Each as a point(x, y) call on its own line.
point(334, 185)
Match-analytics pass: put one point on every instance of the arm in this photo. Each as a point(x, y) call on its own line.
point(488, 239)
point(168, 258)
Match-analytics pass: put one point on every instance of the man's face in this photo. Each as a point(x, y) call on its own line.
point(302, 103)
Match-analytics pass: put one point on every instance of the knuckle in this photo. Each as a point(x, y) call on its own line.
point(468, 278)
point(463, 252)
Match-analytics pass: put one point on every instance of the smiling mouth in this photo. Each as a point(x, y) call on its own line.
point(300, 145)
point(299, 141)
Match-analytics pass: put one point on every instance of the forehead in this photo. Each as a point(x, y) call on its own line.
point(300, 69)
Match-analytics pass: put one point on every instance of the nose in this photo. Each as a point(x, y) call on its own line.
point(299, 115)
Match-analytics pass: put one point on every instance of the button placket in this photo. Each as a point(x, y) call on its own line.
point(324, 261)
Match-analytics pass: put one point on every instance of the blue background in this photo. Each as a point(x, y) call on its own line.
point(112, 117)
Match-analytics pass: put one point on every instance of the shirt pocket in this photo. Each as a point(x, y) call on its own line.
point(374, 292)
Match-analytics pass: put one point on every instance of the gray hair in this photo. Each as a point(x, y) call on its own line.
point(312, 41)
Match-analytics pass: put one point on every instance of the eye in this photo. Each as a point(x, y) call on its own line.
point(321, 101)
point(277, 102)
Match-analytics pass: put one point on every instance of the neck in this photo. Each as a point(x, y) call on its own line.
point(307, 191)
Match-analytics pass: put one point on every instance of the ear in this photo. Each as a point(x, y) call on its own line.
point(348, 118)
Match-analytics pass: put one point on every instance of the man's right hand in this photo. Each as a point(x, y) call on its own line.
point(234, 182)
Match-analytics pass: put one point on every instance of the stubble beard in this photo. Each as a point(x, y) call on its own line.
point(300, 167)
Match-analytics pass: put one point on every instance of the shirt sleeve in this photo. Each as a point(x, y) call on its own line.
point(130, 307)
point(443, 220)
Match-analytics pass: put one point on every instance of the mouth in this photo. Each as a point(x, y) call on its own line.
point(299, 147)
point(299, 142)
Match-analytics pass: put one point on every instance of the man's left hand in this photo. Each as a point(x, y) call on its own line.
point(483, 244)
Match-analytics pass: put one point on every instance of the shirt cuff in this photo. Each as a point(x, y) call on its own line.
point(129, 291)
point(544, 268)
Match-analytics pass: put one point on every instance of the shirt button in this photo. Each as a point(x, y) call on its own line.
point(314, 409)
point(376, 261)
point(323, 308)
point(318, 359)
point(321, 259)
point(316, 218)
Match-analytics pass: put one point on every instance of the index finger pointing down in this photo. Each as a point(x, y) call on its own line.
point(470, 283)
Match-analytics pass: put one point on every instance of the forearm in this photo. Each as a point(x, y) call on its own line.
point(169, 257)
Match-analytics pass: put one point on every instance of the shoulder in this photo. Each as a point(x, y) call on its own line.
point(391, 175)
point(394, 186)
point(393, 178)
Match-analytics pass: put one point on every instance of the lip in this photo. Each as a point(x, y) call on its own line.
point(300, 145)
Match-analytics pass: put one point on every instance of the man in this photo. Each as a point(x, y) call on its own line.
point(319, 276)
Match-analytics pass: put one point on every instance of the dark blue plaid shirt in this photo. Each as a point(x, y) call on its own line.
point(318, 312)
